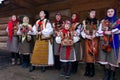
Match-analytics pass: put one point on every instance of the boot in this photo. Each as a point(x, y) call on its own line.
point(112, 75)
point(18, 59)
point(13, 61)
point(18, 62)
point(74, 67)
point(64, 69)
point(25, 64)
point(68, 73)
point(107, 74)
point(87, 69)
point(32, 68)
point(43, 69)
point(25, 61)
point(13, 58)
point(57, 62)
point(92, 70)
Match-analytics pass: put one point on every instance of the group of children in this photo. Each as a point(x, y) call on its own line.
point(59, 44)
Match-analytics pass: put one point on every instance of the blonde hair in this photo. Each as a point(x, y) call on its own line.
point(26, 18)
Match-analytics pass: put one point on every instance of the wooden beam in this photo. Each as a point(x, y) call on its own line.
point(17, 11)
point(92, 5)
point(56, 6)
point(22, 3)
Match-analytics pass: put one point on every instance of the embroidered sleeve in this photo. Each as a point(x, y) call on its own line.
point(30, 30)
point(99, 32)
point(19, 30)
point(34, 32)
point(83, 34)
point(75, 39)
point(79, 30)
point(48, 29)
point(117, 29)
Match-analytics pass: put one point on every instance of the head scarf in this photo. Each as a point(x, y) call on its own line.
point(113, 18)
point(11, 25)
point(76, 19)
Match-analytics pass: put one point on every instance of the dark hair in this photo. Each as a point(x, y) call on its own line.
point(14, 15)
point(46, 14)
point(92, 10)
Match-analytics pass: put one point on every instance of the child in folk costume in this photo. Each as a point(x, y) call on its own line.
point(57, 26)
point(76, 26)
point(25, 40)
point(91, 43)
point(109, 30)
point(67, 53)
point(43, 52)
point(12, 42)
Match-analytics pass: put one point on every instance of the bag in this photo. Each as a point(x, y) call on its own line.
point(67, 42)
point(106, 48)
point(42, 37)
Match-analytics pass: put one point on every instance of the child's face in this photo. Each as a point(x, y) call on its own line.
point(13, 17)
point(25, 20)
point(110, 12)
point(74, 16)
point(92, 14)
point(42, 14)
point(58, 17)
point(67, 26)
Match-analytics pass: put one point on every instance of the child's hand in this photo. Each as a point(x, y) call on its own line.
point(93, 36)
point(88, 37)
point(108, 32)
point(59, 33)
point(75, 33)
point(39, 33)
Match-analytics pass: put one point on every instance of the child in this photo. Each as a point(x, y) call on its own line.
point(57, 26)
point(25, 41)
point(12, 42)
point(67, 53)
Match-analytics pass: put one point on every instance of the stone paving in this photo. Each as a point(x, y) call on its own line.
point(8, 72)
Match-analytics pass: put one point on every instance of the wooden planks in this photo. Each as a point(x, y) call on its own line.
point(3, 33)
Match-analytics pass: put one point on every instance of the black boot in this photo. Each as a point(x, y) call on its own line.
point(112, 75)
point(43, 69)
point(64, 69)
point(106, 74)
point(57, 62)
point(68, 71)
point(32, 68)
point(87, 69)
point(26, 61)
point(74, 67)
point(92, 70)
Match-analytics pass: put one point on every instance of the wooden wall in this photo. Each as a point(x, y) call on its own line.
point(75, 6)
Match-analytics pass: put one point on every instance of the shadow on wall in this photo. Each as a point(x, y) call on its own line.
point(5, 59)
